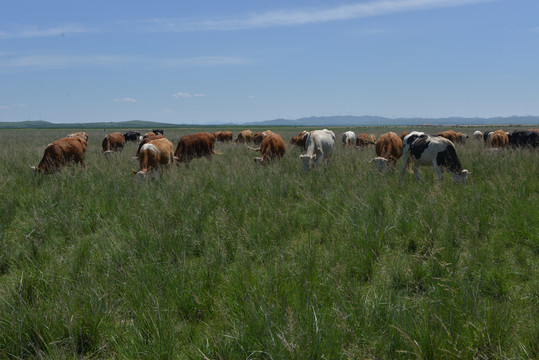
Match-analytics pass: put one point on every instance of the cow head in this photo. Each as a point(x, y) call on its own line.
point(107, 153)
point(259, 160)
point(383, 164)
point(461, 176)
point(307, 161)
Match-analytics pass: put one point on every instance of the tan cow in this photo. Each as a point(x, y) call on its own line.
point(499, 139)
point(245, 136)
point(59, 153)
point(153, 156)
point(81, 134)
point(365, 140)
point(389, 149)
point(271, 148)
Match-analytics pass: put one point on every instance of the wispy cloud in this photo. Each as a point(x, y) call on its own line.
point(186, 95)
point(126, 100)
point(291, 17)
point(3, 107)
point(63, 61)
point(36, 32)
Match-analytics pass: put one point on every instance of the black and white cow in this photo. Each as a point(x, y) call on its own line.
point(158, 131)
point(132, 136)
point(423, 149)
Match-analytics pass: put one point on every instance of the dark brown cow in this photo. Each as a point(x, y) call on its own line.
point(389, 149)
point(499, 139)
point(245, 136)
point(223, 136)
point(62, 152)
point(365, 139)
point(271, 148)
point(113, 142)
point(153, 155)
point(299, 140)
point(195, 146)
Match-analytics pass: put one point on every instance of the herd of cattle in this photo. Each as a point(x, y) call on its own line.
point(155, 151)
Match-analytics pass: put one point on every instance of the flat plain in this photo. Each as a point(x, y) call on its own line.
point(227, 260)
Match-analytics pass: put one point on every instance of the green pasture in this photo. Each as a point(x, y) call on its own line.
point(227, 260)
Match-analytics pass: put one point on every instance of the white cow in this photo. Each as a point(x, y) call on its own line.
point(349, 138)
point(478, 135)
point(319, 145)
point(437, 151)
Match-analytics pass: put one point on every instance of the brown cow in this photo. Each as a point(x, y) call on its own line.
point(259, 136)
point(113, 142)
point(153, 156)
point(81, 134)
point(450, 135)
point(61, 152)
point(389, 149)
point(149, 134)
point(245, 136)
point(499, 139)
point(403, 134)
point(271, 148)
point(223, 136)
point(365, 139)
point(299, 140)
point(195, 146)
point(147, 140)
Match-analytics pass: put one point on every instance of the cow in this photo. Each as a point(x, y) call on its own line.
point(149, 134)
point(388, 150)
point(403, 134)
point(461, 138)
point(499, 139)
point(486, 136)
point(259, 136)
point(146, 140)
point(245, 136)
point(523, 138)
point(132, 136)
point(319, 145)
point(271, 148)
point(59, 153)
point(113, 142)
point(437, 151)
point(158, 131)
point(348, 138)
point(153, 156)
point(195, 146)
point(477, 135)
point(223, 136)
point(81, 134)
point(299, 140)
point(365, 139)
point(449, 135)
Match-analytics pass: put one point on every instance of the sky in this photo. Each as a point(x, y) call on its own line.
point(211, 62)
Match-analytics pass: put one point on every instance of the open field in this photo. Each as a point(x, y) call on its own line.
point(226, 260)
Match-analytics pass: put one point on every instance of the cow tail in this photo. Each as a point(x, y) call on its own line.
point(106, 144)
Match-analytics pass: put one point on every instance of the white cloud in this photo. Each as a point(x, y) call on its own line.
point(199, 95)
point(126, 99)
point(2, 107)
point(291, 17)
point(182, 95)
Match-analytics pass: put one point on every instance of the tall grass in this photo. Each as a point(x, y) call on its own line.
point(227, 260)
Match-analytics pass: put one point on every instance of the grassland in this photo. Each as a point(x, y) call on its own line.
point(226, 260)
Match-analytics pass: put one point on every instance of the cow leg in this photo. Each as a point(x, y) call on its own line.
point(319, 158)
point(438, 169)
point(416, 172)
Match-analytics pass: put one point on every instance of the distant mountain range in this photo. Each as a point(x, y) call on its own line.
point(307, 121)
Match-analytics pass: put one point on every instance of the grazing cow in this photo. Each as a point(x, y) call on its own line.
point(437, 151)
point(149, 134)
point(461, 138)
point(113, 142)
point(81, 134)
point(389, 149)
point(146, 140)
point(62, 152)
point(365, 139)
point(158, 131)
point(477, 135)
point(271, 148)
point(245, 136)
point(523, 138)
point(348, 138)
point(499, 139)
point(223, 136)
point(403, 134)
point(449, 135)
point(259, 136)
point(153, 156)
point(131, 136)
point(486, 136)
point(299, 140)
point(319, 145)
point(195, 146)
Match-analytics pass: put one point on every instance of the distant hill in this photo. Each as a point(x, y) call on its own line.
point(306, 121)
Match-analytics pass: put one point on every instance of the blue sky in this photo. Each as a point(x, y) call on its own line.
point(201, 62)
